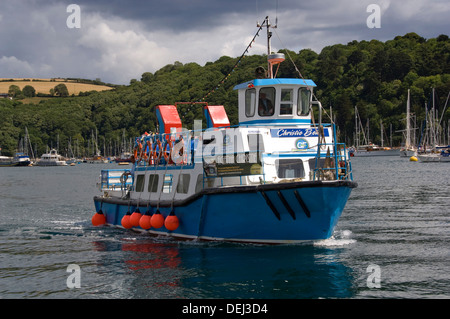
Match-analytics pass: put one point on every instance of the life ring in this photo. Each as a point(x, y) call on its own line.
point(142, 152)
point(168, 152)
point(157, 152)
point(138, 151)
point(150, 151)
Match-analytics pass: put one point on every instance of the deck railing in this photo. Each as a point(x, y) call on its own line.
point(336, 164)
point(116, 179)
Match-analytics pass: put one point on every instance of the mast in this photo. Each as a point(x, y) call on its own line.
point(269, 35)
point(381, 132)
point(272, 58)
point(356, 129)
point(29, 143)
point(433, 123)
point(425, 138)
point(390, 135)
point(408, 129)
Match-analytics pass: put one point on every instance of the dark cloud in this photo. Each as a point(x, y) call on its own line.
point(119, 40)
point(173, 15)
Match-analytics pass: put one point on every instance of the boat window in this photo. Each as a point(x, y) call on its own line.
point(266, 101)
point(286, 101)
point(140, 180)
point(290, 168)
point(183, 183)
point(167, 183)
point(304, 101)
point(153, 183)
point(250, 102)
point(199, 184)
point(255, 142)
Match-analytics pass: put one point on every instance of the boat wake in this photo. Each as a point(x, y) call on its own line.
point(340, 238)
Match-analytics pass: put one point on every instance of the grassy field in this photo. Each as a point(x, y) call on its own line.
point(44, 85)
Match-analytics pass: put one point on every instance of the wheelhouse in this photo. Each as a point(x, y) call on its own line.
point(275, 101)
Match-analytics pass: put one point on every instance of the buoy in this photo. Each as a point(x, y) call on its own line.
point(135, 217)
point(126, 221)
point(157, 220)
point(98, 218)
point(145, 221)
point(171, 222)
point(413, 159)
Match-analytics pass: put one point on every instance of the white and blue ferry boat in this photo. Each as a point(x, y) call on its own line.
point(278, 177)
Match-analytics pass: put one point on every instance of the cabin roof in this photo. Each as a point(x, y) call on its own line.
point(265, 82)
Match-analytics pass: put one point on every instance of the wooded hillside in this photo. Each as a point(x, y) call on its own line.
point(374, 76)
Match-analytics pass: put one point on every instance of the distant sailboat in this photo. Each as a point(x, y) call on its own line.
point(125, 155)
point(442, 154)
point(21, 157)
point(408, 149)
point(368, 149)
point(97, 158)
point(437, 153)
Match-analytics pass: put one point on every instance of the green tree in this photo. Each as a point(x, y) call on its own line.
point(330, 63)
point(29, 91)
point(14, 91)
point(61, 90)
point(147, 77)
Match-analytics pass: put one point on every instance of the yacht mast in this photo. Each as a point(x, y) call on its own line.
point(381, 131)
point(408, 129)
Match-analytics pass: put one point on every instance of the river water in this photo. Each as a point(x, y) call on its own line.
point(392, 241)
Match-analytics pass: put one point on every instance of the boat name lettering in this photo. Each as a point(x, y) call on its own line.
point(296, 132)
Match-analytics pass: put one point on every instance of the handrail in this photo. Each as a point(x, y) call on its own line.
point(107, 179)
point(341, 165)
point(340, 155)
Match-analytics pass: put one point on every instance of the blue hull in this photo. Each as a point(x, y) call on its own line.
point(288, 213)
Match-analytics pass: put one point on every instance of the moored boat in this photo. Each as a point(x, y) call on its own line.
point(51, 159)
point(97, 159)
point(275, 178)
point(367, 148)
point(373, 150)
point(441, 155)
point(408, 152)
point(21, 159)
point(125, 157)
point(408, 148)
point(6, 161)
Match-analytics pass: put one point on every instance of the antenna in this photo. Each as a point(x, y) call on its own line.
point(276, 16)
point(257, 14)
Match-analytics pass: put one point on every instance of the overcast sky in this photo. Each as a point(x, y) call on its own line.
point(119, 40)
